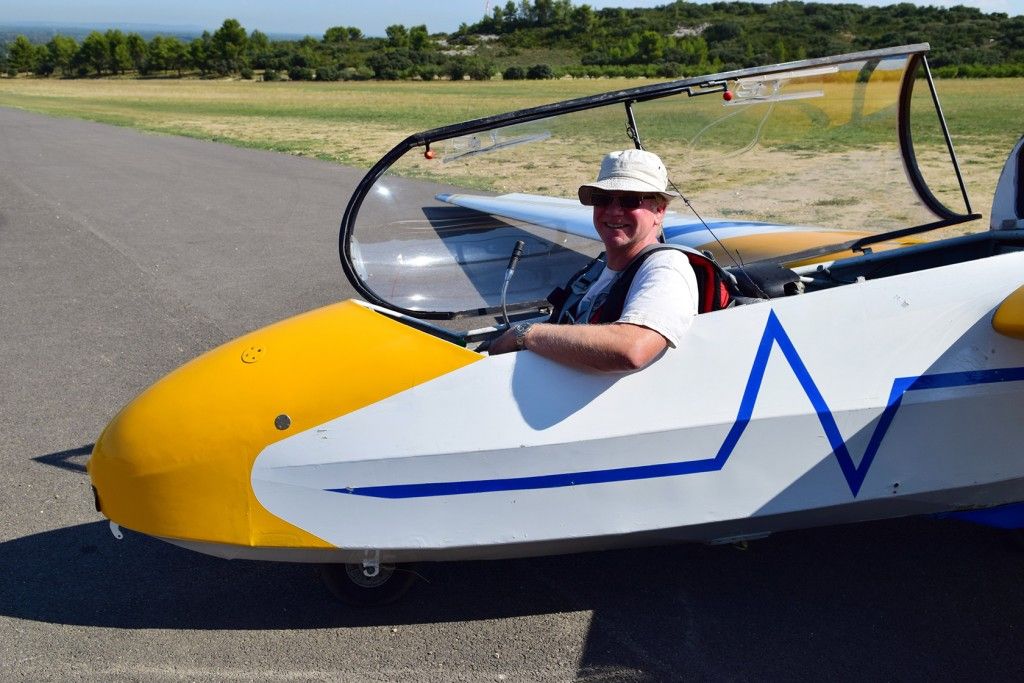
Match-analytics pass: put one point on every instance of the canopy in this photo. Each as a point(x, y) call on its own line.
point(780, 163)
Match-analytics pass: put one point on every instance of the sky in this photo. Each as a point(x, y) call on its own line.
point(313, 17)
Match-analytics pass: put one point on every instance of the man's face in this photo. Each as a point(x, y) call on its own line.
point(621, 228)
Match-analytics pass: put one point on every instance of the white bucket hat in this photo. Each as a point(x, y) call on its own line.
point(631, 170)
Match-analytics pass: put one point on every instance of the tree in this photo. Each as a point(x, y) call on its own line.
point(650, 47)
point(539, 72)
point(258, 41)
point(480, 69)
point(94, 52)
point(497, 18)
point(229, 43)
point(199, 53)
point(156, 55)
point(397, 36)
point(41, 60)
point(336, 34)
point(543, 11)
point(428, 72)
point(118, 58)
point(514, 73)
point(419, 39)
point(258, 49)
point(177, 54)
point(722, 31)
point(779, 50)
point(583, 20)
point(326, 73)
point(22, 55)
point(456, 69)
point(390, 65)
point(136, 48)
point(717, 35)
point(342, 34)
point(62, 51)
point(689, 50)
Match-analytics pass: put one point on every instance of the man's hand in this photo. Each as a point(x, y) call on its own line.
point(503, 344)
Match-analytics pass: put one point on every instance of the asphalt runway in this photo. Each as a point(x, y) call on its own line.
point(122, 255)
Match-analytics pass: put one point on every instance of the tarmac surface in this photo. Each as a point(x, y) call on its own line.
point(123, 255)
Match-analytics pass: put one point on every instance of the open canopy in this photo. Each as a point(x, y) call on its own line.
point(780, 163)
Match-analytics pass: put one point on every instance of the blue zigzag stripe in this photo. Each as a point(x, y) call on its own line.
point(773, 334)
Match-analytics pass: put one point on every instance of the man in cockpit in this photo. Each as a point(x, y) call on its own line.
point(622, 312)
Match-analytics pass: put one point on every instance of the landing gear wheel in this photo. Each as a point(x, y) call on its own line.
point(356, 585)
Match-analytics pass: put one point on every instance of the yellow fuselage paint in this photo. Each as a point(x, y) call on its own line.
point(1009, 316)
point(176, 461)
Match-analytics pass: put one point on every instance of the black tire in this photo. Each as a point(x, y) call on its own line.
point(349, 584)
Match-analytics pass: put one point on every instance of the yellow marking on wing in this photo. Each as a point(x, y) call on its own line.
point(176, 462)
point(750, 248)
point(1009, 316)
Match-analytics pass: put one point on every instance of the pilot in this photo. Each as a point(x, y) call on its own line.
point(627, 307)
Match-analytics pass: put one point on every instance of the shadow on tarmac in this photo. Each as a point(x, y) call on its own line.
point(869, 600)
point(73, 459)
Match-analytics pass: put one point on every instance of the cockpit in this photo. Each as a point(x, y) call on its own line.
point(812, 174)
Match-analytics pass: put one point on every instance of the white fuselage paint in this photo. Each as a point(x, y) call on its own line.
point(520, 415)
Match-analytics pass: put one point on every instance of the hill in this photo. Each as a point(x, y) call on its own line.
point(539, 39)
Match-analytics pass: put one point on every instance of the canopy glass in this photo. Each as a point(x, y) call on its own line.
point(850, 143)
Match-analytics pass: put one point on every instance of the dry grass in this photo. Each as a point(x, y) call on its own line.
point(348, 121)
point(356, 123)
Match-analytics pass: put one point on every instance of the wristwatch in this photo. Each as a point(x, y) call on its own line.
point(520, 330)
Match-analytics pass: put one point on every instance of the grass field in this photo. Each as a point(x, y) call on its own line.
point(350, 122)
point(357, 122)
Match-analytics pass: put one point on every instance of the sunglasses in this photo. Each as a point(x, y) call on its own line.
point(628, 202)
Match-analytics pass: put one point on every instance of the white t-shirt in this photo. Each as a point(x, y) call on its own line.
point(662, 296)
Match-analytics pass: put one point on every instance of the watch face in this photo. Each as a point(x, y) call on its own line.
point(520, 329)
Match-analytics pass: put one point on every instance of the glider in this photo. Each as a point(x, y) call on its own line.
point(865, 370)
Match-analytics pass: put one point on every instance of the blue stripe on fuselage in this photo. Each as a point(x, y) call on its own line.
point(774, 334)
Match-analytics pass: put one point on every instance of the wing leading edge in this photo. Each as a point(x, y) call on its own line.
point(750, 240)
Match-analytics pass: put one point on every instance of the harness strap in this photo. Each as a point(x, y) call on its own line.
point(564, 300)
point(713, 286)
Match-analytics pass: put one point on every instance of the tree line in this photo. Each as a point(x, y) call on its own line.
point(743, 34)
point(343, 53)
point(676, 39)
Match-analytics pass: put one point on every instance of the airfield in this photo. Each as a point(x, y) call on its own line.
point(125, 254)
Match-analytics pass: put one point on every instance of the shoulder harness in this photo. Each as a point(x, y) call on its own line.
point(715, 287)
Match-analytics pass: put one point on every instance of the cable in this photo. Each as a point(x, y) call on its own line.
point(517, 252)
point(738, 264)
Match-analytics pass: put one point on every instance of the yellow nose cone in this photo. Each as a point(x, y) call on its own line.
point(176, 462)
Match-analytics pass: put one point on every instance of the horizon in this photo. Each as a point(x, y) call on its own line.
point(197, 16)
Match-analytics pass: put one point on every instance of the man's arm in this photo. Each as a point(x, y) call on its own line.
point(618, 347)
